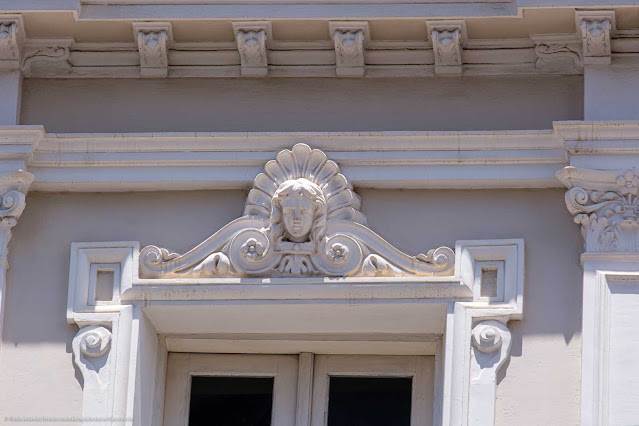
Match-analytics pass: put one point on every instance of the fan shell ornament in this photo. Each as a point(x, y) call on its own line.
point(301, 219)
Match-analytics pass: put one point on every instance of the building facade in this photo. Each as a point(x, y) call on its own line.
point(309, 213)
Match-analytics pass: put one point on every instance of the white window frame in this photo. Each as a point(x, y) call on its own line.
point(131, 347)
point(415, 367)
point(181, 367)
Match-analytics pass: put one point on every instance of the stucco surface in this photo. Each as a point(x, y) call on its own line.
point(279, 105)
point(541, 385)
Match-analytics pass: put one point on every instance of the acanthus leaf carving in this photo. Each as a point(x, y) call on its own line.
point(349, 40)
point(446, 38)
point(12, 38)
point(606, 206)
point(252, 43)
point(302, 218)
point(596, 29)
point(153, 40)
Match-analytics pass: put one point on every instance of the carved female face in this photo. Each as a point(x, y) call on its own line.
point(297, 215)
point(298, 202)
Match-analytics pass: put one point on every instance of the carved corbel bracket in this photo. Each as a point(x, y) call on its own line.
point(558, 54)
point(596, 29)
point(491, 343)
point(447, 38)
point(13, 191)
point(154, 39)
point(252, 41)
point(104, 346)
point(606, 205)
point(12, 37)
point(350, 39)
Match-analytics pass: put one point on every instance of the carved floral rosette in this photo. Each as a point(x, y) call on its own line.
point(606, 205)
point(302, 218)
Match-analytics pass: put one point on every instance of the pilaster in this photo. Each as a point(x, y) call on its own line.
point(13, 191)
point(605, 204)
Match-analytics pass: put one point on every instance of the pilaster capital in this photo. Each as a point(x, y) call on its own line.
point(606, 205)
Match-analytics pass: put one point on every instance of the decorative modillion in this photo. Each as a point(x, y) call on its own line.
point(153, 40)
point(12, 37)
point(302, 218)
point(251, 40)
point(446, 38)
point(596, 28)
point(350, 39)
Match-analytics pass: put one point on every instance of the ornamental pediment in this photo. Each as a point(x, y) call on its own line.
point(301, 218)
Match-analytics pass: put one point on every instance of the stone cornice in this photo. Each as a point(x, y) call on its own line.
point(434, 160)
point(596, 42)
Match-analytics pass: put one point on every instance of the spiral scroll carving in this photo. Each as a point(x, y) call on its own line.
point(94, 341)
point(302, 218)
point(487, 337)
point(608, 212)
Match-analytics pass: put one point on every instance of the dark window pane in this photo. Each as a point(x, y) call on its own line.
point(369, 401)
point(231, 401)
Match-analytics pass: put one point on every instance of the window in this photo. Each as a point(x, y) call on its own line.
point(264, 390)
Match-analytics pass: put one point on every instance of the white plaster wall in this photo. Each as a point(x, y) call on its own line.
point(611, 93)
point(470, 103)
point(541, 386)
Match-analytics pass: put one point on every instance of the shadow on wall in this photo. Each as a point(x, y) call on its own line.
point(413, 220)
point(318, 104)
point(553, 292)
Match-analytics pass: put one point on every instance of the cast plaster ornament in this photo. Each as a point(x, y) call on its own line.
point(153, 40)
point(302, 218)
point(446, 38)
point(596, 36)
point(558, 58)
point(349, 40)
point(349, 47)
point(252, 47)
point(606, 205)
point(9, 48)
point(446, 44)
point(90, 349)
point(152, 46)
point(56, 59)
